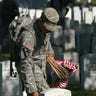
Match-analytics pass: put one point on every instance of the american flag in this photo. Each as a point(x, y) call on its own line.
point(60, 84)
point(71, 67)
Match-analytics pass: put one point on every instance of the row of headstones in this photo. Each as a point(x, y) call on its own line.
point(33, 13)
point(69, 40)
point(85, 14)
point(75, 47)
point(72, 20)
point(83, 28)
point(81, 19)
point(86, 28)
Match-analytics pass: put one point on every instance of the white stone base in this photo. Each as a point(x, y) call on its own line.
point(56, 92)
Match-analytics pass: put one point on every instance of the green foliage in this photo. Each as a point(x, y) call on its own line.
point(94, 1)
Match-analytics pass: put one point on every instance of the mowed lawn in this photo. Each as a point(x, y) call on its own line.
point(77, 91)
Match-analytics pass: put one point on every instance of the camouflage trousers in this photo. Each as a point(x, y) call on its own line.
point(32, 74)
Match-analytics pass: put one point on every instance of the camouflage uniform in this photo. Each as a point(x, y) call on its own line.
point(31, 54)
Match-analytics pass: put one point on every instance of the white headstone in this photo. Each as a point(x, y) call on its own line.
point(77, 14)
point(84, 10)
point(56, 92)
point(32, 13)
point(69, 14)
point(69, 39)
point(89, 1)
point(95, 19)
point(88, 17)
point(88, 71)
point(94, 11)
point(20, 9)
point(11, 85)
point(78, 0)
point(38, 13)
point(25, 11)
point(24, 93)
point(57, 36)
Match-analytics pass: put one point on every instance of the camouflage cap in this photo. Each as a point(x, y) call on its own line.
point(51, 18)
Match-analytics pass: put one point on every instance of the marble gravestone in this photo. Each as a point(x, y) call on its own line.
point(94, 11)
point(69, 39)
point(69, 14)
point(56, 92)
point(88, 72)
point(76, 10)
point(88, 17)
point(32, 13)
point(9, 85)
point(84, 10)
point(82, 46)
point(57, 36)
point(38, 13)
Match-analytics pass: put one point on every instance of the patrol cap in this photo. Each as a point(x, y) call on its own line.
point(51, 18)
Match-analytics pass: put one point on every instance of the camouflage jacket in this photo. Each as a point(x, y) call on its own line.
point(32, 43)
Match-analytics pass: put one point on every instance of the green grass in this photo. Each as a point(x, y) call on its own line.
point(4, 56)
point(84, 93)
point(76, 91)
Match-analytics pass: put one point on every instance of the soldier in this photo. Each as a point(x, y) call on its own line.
point(33, 43)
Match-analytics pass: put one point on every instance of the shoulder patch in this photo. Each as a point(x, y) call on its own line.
point(28, 46)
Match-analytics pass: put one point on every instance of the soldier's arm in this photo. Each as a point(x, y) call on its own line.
point(26, 43)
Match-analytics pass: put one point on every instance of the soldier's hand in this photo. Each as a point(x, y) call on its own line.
point(50, 55)
point(35, 94)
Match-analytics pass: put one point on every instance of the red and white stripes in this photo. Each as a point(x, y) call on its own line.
point(60, 84)
point(71, 67)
